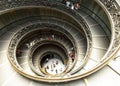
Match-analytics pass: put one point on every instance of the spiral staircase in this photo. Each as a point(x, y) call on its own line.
point(47, 43)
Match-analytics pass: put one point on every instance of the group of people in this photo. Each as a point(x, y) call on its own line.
point(33, 42)
point(53, 68)
point(44, 37)
point(71, 5)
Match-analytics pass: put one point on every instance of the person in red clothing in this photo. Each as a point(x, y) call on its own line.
point(49, 38)
point(72, 56)
point(77, 6)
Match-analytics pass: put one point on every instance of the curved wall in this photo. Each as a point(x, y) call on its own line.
point(92, 8)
